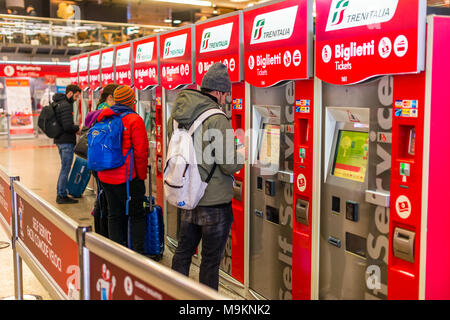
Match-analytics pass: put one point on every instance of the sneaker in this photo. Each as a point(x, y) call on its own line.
point(65, 200)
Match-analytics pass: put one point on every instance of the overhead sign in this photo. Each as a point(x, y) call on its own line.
point(145, 66)
point(83, 71)
point(357, 40)
point(107, 66)
point(73, 70)
point(37, 71)
point(176, 58)
point(219, 41)
point(278, 42)
point(94, 71)
point(123, 64)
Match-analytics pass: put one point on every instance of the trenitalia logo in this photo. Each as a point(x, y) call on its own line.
point(356, 13)
point(123, 56)
point(338, 16)
point(175, 46)
point(259, 27)
point(275, 25)
point(216, 38)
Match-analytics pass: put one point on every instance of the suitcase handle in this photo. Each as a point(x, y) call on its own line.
point(150, 188)
point(77, 179)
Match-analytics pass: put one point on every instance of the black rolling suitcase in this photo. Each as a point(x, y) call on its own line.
point(154, 232)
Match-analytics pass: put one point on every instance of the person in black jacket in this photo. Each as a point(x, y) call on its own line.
point(67, 140)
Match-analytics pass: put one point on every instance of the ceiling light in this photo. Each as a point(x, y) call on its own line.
point(190, 2)
point(167, 20)
point(176, 21)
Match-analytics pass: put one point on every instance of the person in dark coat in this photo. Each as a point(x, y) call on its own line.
point(67, 140)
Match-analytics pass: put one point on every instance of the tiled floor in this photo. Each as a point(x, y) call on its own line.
point(37, 163)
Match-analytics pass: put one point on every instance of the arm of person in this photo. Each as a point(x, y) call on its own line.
point(227, 158)
point(139, 141)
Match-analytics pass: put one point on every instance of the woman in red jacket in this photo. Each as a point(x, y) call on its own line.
point(114, 180)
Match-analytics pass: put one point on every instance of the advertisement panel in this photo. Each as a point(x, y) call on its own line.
point(5, 202)
point(356, 40)
point(83, 71)
point(107, 66)
point(219, 41)
point(145, 63)
point(18, 97)
point(278, 42)
point(123, 64)
point(176, 58)
point(94, 70)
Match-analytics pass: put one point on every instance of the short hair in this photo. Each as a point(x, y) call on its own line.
point(73, 88)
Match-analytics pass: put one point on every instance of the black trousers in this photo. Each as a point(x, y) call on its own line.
point(116, 196)
point(100, 210)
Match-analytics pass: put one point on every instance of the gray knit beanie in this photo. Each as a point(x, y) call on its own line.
point(217, 78)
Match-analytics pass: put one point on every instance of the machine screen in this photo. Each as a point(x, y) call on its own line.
point(269, 151)
point(352, 151)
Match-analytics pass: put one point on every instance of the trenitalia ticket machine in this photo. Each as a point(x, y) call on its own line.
point(83, 82)
point(221, 40)
point(176, 56)
point(149, 106)
point(107, 73)
point(278, 53)
point(74, 61)
point(379, 160)
point(123, 64)
point(94, 78)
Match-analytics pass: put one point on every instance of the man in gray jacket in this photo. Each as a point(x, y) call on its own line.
point(211, 220)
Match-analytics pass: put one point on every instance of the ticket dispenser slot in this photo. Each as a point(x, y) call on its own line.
point(159, 164)
point(301, 211)
point(404, 244)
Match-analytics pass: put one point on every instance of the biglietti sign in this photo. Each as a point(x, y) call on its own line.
point(145, 63)
point(219, 41)
point(123, 64)
point(359, 39)
point(107, 66)
point(278, 42)
point(176, 58)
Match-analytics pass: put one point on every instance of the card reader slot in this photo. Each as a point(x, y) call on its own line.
point(334, 241)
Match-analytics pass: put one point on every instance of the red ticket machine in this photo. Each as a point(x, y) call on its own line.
point(220, 40)
point(379, 179)
point(94, 78)
point(278, 70)
point(176, 56)
point(149, 96)
point(83, 82)
point(74, 61)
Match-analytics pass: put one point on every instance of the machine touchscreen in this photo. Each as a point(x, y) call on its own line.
point(269, 150)
point(350, 160)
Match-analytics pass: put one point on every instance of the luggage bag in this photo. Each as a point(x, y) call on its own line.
point(78, 178)
point(154, 231)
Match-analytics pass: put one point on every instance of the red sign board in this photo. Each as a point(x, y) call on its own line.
point(218, 41)
point(176, 58)
point(109, 282)
point(74, 70)
point(123, 64)
point(107, 66)
point(56, 252)
point(5, 201)
point(278, 42)
point(94, 70)
point(145, 64)
point(83, 71)
point(355, 41)
point(35, 71)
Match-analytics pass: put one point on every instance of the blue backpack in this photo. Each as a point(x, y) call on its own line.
point(105, 144)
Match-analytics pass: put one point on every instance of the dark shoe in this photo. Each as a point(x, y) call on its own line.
point(65, 200)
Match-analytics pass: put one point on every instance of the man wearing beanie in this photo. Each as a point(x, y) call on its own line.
point(113, 181)
point(212, 219)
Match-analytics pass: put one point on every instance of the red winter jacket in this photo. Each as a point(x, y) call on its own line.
point(134, 134)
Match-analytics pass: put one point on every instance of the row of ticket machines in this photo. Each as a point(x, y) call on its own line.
point(341, 195)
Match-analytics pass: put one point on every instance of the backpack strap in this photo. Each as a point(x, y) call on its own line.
point(202, 118)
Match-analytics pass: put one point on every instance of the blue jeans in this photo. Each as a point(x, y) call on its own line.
point(66, 155)
point(212, 225)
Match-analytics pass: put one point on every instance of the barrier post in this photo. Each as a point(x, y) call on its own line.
point(17, 260)
point(83, 261)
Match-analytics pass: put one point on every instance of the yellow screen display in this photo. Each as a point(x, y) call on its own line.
point(351, 157)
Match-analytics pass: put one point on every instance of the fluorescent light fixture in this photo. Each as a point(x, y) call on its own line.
point(167, 20)
point(177, 21)
point(190, 2)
